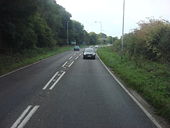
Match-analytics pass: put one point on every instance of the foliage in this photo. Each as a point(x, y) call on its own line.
point(151, 40)
point(150, 79)
point(27, 56)
point(33, 24)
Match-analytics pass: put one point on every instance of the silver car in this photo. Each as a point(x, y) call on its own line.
point(89, 53)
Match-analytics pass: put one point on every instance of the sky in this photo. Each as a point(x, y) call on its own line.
point(108, 13)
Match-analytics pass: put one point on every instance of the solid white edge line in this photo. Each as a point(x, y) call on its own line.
point(64, 63)
point(17, 122)
point(70, 57)
point(71, 64)
point(57, 81)
point(50, 81)
point(133, 98)
point(28, 117)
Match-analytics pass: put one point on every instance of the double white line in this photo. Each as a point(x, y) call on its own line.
point(71, 64)
point(65, 64)
point(48, 83)
point(57, 81)
point(25, 116)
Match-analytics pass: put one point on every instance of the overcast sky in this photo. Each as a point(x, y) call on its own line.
point(109, 13)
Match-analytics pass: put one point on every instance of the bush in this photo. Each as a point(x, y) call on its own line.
point(151, 40)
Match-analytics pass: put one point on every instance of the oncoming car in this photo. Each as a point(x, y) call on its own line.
point(76, 48)
point(89, 53)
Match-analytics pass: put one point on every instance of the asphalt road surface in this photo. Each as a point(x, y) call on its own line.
point(65, 91)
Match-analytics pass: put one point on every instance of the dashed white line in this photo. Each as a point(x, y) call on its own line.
point(71, 64)
point(70, 57)
point(76, 57)
point(50, 81)
point(64, 63)
point(23, 119)
point(57, 81)
point(17, 122)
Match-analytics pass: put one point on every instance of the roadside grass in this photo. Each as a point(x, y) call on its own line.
point(150, 79)
point(11, 62)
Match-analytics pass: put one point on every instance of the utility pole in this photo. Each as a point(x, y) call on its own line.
point(67, 33)
point(123, 26)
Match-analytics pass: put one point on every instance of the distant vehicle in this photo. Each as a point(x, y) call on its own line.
point(89, 53)
point(76, 48)
point(96, 46)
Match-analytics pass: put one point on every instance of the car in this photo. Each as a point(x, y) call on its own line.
point(89, 53)
point(76, 48)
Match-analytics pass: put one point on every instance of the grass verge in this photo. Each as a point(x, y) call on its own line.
point(11, 62)
point(150, 79)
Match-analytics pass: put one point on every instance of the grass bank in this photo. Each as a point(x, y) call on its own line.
point(150, 79)
point(11, 62)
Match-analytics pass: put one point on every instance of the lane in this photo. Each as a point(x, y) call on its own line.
point(21, 88)
point(87, 96)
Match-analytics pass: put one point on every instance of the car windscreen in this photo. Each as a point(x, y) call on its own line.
point(89, 50)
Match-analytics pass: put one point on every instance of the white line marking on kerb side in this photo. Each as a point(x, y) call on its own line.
point(71, 64)
point(133, 98)
point(50, 81)
point(57, 81)
point(21, 121)
point(65, 63)
point(70, 57)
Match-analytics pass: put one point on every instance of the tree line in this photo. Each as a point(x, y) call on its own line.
point(151, 41)
point(30, 24)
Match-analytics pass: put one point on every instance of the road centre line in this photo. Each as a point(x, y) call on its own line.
point(76, 57)
point(50, 81)
point(71, 64)
point(57, 81)
point(23, 119)
point(64, 63)
point(70, 57)
point(132, 97)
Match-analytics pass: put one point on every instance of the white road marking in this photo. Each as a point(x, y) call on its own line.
point(28, 117)
point(70, 57)
point(57, 81)
point(50, 81)
point(76, 57)
point(21, 121)
point(18, 121)
point(133, 98)
point(65, 63)
point(71, 64)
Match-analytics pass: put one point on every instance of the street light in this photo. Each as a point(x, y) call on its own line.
point(123, 24)
point(67, 33)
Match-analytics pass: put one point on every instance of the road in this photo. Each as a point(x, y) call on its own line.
point(65, 91)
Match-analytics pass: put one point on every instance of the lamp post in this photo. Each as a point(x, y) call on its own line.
point(67, 33)
point(123, 25)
